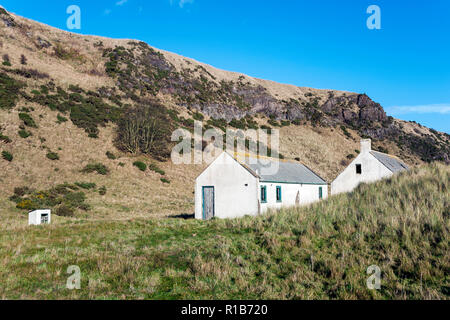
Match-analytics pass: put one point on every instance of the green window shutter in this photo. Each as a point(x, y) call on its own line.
point(279, 199)
point(320, 193)
point(263, 194)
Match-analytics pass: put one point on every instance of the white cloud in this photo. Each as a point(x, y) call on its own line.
point(181, 3)
point(121, 2)
point(443, 108)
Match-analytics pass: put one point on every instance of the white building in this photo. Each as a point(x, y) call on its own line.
point(230, 187)
point(38, 217)
point(368, 166)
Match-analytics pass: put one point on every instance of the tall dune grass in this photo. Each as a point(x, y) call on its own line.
point(322, 251)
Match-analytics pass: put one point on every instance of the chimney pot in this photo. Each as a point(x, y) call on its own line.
point(366, 145)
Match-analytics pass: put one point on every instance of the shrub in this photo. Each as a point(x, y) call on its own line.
point(155, 168)
point(198, 116)
point(27, 120)
point(53, 156)
point(61, 119)
point(23, 60)
point(102, 191)
point(274, 123)
point(5, 139)
point(9, 91)
point(21, 191)
point(86, 185)
point(145, 129)
point(96, 167)
point(24, 134)
point(344, 129)
point(121, 164)
point(76, 200)
point(164, 180)
point(350, 156)
point(140, 165)
point(110, 155)
point(6, 61)
point(64, 211)
point(7, 156)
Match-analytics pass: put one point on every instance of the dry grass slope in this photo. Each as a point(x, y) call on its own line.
point(318, 252)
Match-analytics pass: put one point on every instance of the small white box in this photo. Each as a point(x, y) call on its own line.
point(38, 217)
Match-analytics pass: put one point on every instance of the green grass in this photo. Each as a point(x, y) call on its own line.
point(316, 252)
point(96, 167)
point(140, 165)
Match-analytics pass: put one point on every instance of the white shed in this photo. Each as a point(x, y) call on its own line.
point(38, 217)
point(232, 187)
point(368, 166)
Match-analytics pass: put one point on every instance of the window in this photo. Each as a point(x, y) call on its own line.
point(278, 194)
point(358, 169)
point(263, 194)
point(320, 193)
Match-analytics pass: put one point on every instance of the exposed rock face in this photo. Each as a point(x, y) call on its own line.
point(354, 109)
point(6, 18)
point(149, 72)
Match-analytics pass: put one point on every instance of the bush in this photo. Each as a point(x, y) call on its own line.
point(5, 139)
point(24, 134)
point(53, 156)
point(7, 156)
point(23, 60)
point(61, 119)
point(96, 167)
point(6, 61)
point(102, 191)
point(9, 91)
point(344, 129)
point(110, 155)
point(21, 191)
point(27, 120)
point(146, 129)
point(198, 116)
point(64, 211)
point(76, 200)
point(86, 185)
point(155, 168)
point(140, 165)
point(164, 180)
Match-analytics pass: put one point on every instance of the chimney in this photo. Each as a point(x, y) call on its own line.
point(366, 145)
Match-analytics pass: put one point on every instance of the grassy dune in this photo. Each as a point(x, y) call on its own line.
point(317, 252)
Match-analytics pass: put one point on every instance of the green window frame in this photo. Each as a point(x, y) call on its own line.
point(278, 194)
point(320, 193)
point(263, 194)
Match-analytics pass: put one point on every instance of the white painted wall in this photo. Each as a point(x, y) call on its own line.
point(235, 189)
point(372, 170)
point(308, 193)
point(34, 217)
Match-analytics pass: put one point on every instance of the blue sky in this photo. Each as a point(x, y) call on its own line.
point(405, 65)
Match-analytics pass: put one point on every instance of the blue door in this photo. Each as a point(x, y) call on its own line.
point(208, 203)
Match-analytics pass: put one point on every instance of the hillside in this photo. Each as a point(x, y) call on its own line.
point(317, 252)
point(62, 96)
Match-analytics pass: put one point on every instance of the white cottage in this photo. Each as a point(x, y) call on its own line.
point(368, 166)
point(230, 187)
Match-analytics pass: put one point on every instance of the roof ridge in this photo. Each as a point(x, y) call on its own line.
point(387, 154)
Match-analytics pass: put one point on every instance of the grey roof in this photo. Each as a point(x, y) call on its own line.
point(288, 172)
point(392, 163)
